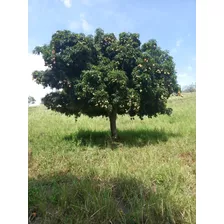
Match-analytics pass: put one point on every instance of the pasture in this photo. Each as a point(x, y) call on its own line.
point(78, 175)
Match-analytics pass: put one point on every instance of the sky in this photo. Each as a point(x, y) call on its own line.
point(172, 23)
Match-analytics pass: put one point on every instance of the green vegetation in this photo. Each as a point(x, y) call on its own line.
point(102, 75)
point(148, 177)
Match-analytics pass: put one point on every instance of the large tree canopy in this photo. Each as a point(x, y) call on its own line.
point(102, 75)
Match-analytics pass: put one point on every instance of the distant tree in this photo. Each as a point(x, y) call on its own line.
point(190, 88)
point(31, 100)
point(42, 101)
point(102, 75)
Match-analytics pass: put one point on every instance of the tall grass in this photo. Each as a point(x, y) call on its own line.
point(78, 175)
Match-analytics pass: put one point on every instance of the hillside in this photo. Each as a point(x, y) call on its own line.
point(78, 175)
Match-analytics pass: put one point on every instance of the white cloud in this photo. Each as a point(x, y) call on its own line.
point(189, 68)
point(35, 62)
point(74, 25)
point(82, 24)
point(67, 3)
point(86, 27)
point(173, 51)
point(178, 42)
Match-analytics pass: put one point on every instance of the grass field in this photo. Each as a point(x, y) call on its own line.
point(77, 175)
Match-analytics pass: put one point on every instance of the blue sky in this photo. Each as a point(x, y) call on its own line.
point(172, 23)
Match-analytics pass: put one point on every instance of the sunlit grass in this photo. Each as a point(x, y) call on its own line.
point(78, 175)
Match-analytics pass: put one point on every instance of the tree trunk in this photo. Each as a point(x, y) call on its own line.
point(113, 127)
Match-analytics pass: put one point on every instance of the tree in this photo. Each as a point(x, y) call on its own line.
point(102, 75)
point(31, 100)
point(190, 88)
